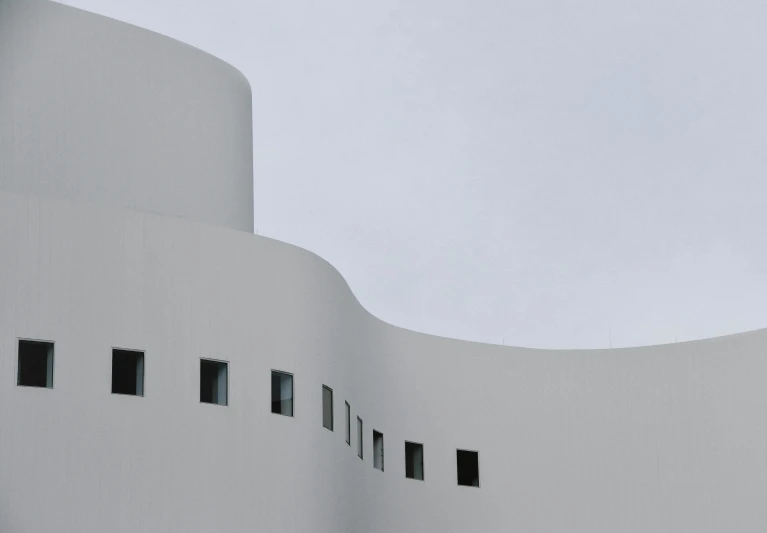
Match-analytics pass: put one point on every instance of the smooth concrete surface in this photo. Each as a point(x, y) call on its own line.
point(663, 438)
point(96, 110)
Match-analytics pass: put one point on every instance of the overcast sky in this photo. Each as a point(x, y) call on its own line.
point(543, 173)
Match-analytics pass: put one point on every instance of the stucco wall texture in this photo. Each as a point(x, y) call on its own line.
point(661, 438)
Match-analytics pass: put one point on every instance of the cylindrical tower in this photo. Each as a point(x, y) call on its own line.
point(95, 110)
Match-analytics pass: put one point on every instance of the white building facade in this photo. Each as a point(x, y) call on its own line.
point(162, 369)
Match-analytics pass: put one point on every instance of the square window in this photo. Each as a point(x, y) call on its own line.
point(282, 393)
point(213, 381)
point(378, 450)
point(35, 364)
point(327, 407)
point(128, 372)
point(468, 468)
point(348, 424)
point(413, 460)
point(359, 437)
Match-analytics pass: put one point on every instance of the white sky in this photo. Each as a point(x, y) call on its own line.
point(542, 172)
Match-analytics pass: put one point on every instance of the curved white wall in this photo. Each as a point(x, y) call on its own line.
point(99, 111)
point(649, 439)
point(663, 438)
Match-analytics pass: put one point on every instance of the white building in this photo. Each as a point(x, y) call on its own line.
point(162, 369)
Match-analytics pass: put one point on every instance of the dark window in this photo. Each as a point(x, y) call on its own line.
point(35, 364)
point(348, 424)
point(282, 393)
point(378, 450)
point(213, 382)
point(128, 372)
point(327, 407)
point(359, 437)
point(468, 468)
point(414, 460)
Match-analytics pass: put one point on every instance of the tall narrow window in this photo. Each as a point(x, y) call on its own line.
point(348, 424)
point(128, 372)
point(468, 468)
point(378, 450)
point(282, 393)
point(413, 460)
point(35, 364)
point(359, 437)
point(213, 382)
point(327, 407)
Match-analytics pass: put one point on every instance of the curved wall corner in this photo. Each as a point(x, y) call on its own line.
point(99, 111)
point(660, 438)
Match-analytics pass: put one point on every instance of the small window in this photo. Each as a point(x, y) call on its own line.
point(35, 364)
point(213, 382)
point(413, 460)
point(378, 450)
point(327, 407)
point(128, 372)
point(282, 393)
point(468, 468)
point(359, 437)
point(348, 424)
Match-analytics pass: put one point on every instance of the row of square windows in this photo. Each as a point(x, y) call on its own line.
point(35, 369)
